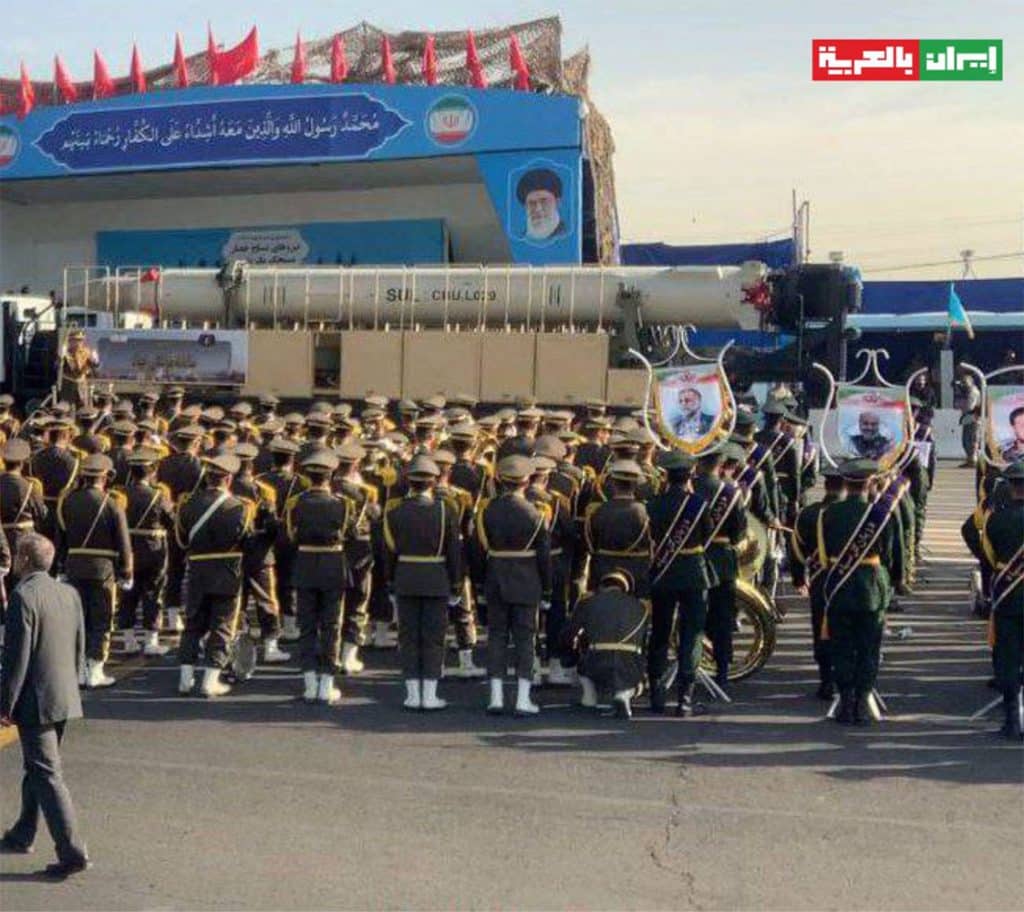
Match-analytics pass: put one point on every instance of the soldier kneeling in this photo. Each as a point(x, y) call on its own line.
point(607, 632)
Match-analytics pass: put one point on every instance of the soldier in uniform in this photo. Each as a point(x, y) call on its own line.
point(78, 363)
point(56, 467)
point(150, 514)
point(96, 555)
point(680, 579)
point(319, 525)
point(122, 438)
point(211, 528)
point(89, 440)
point(593, 451)
point(607, 632)
point(728, 526)
point(10, 426)
point(512, 562)
point(171, 411)
point(266, 409)
point(1003, 546)
point(857, 544)
point(318, 426)
point(424, 573)
point(921, 471)
point(806, 571)
point(521, 444)
point(259, 584)
point(22, 508)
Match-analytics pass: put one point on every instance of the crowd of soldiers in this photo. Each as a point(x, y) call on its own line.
point(587, 551)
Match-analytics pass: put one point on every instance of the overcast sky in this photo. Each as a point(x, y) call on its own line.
point(713, 110)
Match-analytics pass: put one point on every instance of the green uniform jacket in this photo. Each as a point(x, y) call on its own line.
point(720, 553)
point(869, 586)
point(1001, 540)
point(688, 570)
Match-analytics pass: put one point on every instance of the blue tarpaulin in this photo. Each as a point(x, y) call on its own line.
point(774, 254)
point(982, 295)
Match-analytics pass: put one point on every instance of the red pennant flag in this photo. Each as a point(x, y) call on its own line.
point(26, 94)
point(238, 62)
point(517, 63)
point(138, 74)
point(476, 72)
point(387, 64)
point(62, 79)
point(299, 60)
point(430, 62)
point(102, 84)
point(150, 275)
point(339, 66)
point(211, 54)
point(180, 67)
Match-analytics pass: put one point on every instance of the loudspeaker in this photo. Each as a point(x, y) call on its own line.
point(827, 291)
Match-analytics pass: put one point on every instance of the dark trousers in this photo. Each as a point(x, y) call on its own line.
point(559, 610)
point(146, 592)
point(259, 585)
point(463, 618)
point(98, 598)
point(174, 593)
point(720, 621)
point(691, 607)
point(1008, 654)
point(208, 613)
point(283, 587)
point(357, 603)
point(519, 620)
point(422, 623)
point(822, 647)
point(319, 640)
point(856, 638)
point(43, 789)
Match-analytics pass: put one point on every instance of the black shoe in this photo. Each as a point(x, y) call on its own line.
point(64, 869)
point(826, 691)
point(657, 699)
point(1011, 718)
point(862, 711)
point(844, 714)
point(10, 846)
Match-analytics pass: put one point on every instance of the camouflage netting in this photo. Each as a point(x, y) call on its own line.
point(540, 41)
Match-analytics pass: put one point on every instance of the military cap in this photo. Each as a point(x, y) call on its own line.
point(626, 470)
point(76, 334)
point(16, 450)
point(242, 408)
point(456, 413)
point(123, 410)
point(188, 432)
point(434, 403)
point(641, 436)
point(597, 421)
point(147, 424)
point(732, 452)
point(569, 437)
point(61, 408)
point(143, 456)
point(320, 460)
point(773, 407)
point(618, 577)
point(422, 468)
point(623, 443)
point(515, 468)
point(174, 392)
point(464, 430)
point(525, 402)
point(347, 422)
point(397, 438)
point(558, 418)
point(223, 463)
point(678, 460)
point(795, 419)
point(550, 446)
point(372, 413)
point(745, 419)
point(408, 407)
point(294, 419)
point(283, 445)
point(149, 395)
point(465, 400)
point(426, 422)
point(6, 400)
point(506, 415)
point(227, 425)
point(269, 400)
point(1014, 471)
point(271, 426)
point(543, 464)
point(350, 451)
point(96, 464)
point(192, 411)
point(529, 414)
point(319, 419)
point(321, 406)
point(595, 405)
point(59, 423)
point(376, 401)
point(858, 469)
point(342, 410)
point(85, 413)
point(102, 396)
point(211, 416)
point(122, 428)
point(246, 451)
point(443, 457)
point(624, 423)
point(538, 179)
point(488, 422)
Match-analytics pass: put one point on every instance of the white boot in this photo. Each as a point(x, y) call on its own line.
point(558, 674)
point(310, 686)
point(95, 676)
point(538, 672)
point(623, 710)
point(497, 704)
point(272, 652)
point(153, 647)
point(381, 635)
point(289, 628)
point(131, 645)
point(212, 685)
point(328, 693)
point(351, 664)
point(412, 694)
point(467, 668)
point(589, 696)
point(186, 679)
point(83, 675)
point(430, 697)
point(174, 622)
point(524, 705)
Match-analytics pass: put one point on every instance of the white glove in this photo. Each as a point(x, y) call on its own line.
point(126, 584)
point(545, 606)
point(454, 601)
point(481, 599)
point(394, 601)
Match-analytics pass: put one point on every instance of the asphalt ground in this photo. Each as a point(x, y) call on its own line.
point(258, 801)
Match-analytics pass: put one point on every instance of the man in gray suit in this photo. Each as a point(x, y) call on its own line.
point(44, 650)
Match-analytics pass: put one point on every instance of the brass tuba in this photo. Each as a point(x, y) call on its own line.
point(754, 639)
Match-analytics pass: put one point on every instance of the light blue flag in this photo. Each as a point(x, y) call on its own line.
point(957, 314)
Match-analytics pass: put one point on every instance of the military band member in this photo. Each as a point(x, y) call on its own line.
point(607, 632)
point(211, 528)
point(593, 452)
point(172, 398)
point(78, 364)
point(96, 555)
point(319, 525)
point(1003, 545)
point(513, 561)
point(10, 426)
point(22, 508)
point(88, 440)
point(618, 531)
point(424, 571)
point(521, 443)
point(266, 409)
point(680, 579)
point(122, 439)
point(318, 426)
point(56, 467)
point(150, 515)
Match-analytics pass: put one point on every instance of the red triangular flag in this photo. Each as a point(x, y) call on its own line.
point(387, 64)
point(62, 79)
point(238, 62)
point(180, 67)
point(517, 63)
point(339, 66)
point(430, 62)
point(299, 60)
point(102, 84)
point(26, 94)
point(211, 55)
point(476, 72)
point(138, 74)
point(150, 275)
